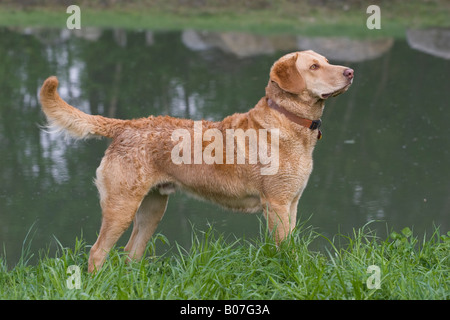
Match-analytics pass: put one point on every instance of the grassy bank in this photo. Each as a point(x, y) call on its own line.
point(213, 268)
point(321, 18)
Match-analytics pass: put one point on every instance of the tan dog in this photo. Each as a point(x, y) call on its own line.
point(142, 164)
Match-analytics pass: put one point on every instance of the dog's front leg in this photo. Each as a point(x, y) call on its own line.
point(279, 218)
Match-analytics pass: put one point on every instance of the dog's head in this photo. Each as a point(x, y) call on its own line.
point(307, 72)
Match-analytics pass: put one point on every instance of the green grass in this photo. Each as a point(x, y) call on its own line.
point(264, 17)
point(216, 268)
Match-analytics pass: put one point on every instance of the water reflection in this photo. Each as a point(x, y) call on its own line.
point(384, 154)
point(54, 150)
point(432, 41)
point(246, 45)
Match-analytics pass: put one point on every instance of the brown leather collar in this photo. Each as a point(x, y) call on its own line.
point(311, 124)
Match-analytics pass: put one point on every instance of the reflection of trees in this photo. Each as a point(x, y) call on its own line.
point(23, 62)
point(167, 78)
point(34, 166)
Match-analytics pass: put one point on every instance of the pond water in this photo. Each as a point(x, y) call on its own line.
point(384, 153)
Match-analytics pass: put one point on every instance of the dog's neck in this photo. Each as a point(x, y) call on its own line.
point(310, 124)
point(302, 106)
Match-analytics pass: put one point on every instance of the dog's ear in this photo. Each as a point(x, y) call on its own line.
point(285, 73)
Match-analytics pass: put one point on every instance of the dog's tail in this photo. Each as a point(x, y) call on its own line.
point(75, 122)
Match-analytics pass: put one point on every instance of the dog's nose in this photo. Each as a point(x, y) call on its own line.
point(348, 73)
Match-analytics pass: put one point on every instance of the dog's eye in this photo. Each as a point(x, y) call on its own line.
point(314, 67)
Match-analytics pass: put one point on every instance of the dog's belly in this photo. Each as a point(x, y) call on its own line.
point(244, 202)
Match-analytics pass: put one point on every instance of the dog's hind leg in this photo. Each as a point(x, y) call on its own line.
point(117, 217)
point(122, 190)
point(118, 211)
point(146, 220)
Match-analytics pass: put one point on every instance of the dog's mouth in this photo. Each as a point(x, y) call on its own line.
point(337, 92)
